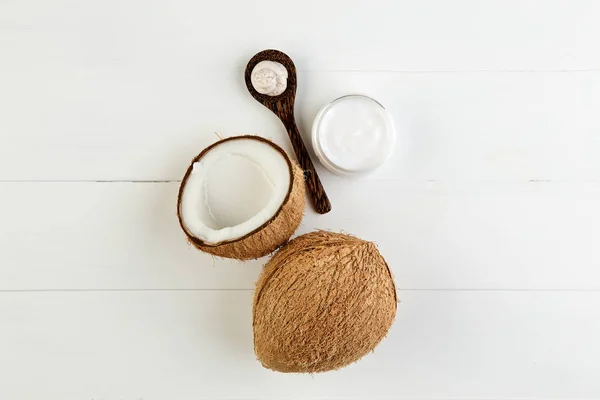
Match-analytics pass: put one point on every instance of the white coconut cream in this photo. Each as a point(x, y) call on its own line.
point(234, 189)
point(269, 77)
point(353, 135)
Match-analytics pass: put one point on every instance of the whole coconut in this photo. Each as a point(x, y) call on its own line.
point(322, 302)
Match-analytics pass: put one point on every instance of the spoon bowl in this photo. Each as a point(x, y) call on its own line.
point(289, 95)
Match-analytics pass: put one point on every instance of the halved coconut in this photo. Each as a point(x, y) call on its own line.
point(241, 198)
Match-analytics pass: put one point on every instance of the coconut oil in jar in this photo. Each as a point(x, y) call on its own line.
point(353, 135)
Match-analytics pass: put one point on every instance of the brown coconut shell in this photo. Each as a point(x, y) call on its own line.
point(272, 234)
point(322, 302)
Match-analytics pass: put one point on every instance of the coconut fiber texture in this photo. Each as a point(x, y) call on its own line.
point(323, 301)
point(272, 234)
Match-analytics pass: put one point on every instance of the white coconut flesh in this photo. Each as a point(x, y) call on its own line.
point(233, 190)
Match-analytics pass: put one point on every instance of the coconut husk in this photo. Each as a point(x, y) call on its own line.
point(272, 234)
point(322, 302)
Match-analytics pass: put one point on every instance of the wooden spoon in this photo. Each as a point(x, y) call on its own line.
point(283, 107)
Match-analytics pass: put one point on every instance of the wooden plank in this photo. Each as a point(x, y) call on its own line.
point(532, 235)
point(333, 35)
point(488, 212)
point(198, 344)
point(123, 123)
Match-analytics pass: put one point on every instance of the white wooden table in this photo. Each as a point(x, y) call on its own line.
point(489, 212)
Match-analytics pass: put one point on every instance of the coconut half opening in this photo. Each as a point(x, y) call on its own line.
point(233, 189)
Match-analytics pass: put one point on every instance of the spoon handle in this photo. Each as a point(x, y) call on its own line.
point(315, 188)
